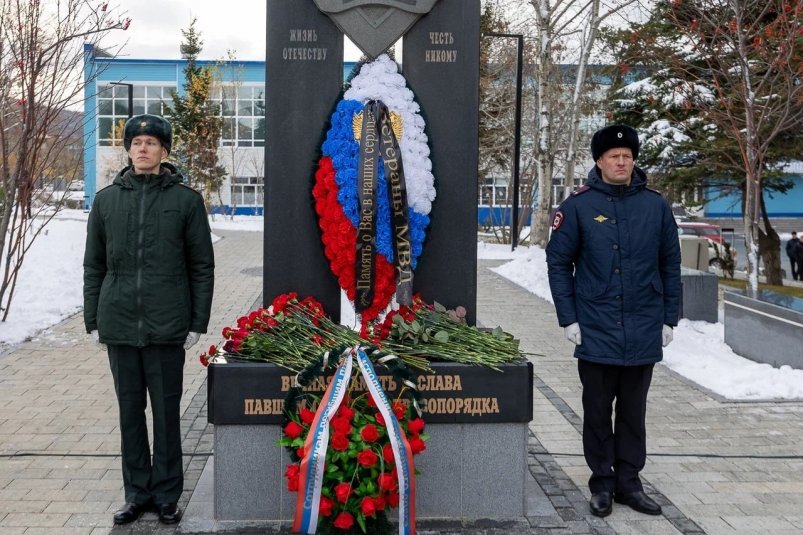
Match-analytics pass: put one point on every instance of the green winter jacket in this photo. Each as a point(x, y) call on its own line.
point(149, 264)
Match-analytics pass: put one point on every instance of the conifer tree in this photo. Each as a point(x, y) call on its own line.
point(196, 120)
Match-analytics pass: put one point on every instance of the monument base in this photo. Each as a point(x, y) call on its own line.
point(474, 467)
point(468, 472)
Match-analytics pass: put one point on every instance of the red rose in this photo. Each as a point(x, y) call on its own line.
point(342, 492)
point(367, 458)
point(369, 433)
point(368, 507)
point(386, 481)
point(346, 412)
point(307, 416)
point(399, 409)
point(380, 419)
point(393, 499)
point(300, 452)
point(292, 475)
point(341, 425)
point(293, 430)
point(339, 442)
point(416, 425)
point(344, 521)
point(379, 503)
point(416, 444)
point(371, 402)
point(326, 506)
point(387, 453)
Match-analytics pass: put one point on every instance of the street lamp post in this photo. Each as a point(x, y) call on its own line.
point(514, 213)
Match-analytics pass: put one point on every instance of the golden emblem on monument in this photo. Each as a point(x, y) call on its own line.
point(395, 122)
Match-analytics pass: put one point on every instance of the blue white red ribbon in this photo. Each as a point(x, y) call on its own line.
point(308, 501)
point(402, 453)
point(312, 466)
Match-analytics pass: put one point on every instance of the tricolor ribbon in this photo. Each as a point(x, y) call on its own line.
point(312, 466)
point(402, 453)
point(308, 501)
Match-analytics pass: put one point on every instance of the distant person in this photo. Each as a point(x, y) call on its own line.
point(614, 270)
point(791, 252)
point(799, 259)
point(148, 282)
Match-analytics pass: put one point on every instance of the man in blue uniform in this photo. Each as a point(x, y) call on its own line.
point(614, 271)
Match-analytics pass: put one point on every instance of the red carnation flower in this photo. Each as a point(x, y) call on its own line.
point(326, 506)
point(204, 360)
point(293, 430)
point(387, 453)
point(387, 482)
point(416, 444)
point(368, 507)
point(369, 433)
point(416, 425)
point(341, 425)
point(367, 458)
point(339, 442)
point(380, 419)
point(300, 453)
point(344, 521)
point(292, 474)
point(342, 492)
point(399, 409)
point(307, 416)
point(346, 412)
point(393, 499)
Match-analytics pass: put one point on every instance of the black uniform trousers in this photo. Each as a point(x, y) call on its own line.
point(155, 371)
point(614, 453)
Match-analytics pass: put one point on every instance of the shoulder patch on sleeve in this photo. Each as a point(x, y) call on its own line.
point(557, 221)
point(581, 189)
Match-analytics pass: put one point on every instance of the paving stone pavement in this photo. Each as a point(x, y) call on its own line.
point(716, 466)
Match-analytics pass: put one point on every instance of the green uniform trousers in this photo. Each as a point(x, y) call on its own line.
point(155, 371)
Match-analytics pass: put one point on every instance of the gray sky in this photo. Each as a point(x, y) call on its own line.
point(239, 25)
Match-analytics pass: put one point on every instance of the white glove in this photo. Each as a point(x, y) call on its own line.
point(666, 335)
point(96, 339)
point(192, 339)
point(572, 333)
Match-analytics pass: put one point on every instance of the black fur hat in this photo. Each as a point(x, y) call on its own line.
point(148, 125)
point(614, 137)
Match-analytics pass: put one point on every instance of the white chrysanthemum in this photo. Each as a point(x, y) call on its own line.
point(381, 80)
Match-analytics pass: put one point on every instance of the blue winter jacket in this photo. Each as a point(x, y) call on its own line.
point(614, 268)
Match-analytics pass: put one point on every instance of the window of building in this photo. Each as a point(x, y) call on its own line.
point(113, 108)
point(243, 111)
point(494, 192)
point(247, 191)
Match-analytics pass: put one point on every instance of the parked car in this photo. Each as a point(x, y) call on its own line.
point(716, 243)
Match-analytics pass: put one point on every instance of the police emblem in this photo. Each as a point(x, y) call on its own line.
point(600, 219)
point(374, 25)
point(557, 221)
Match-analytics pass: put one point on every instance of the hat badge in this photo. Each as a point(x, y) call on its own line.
point(143, 124)
point(619, 135)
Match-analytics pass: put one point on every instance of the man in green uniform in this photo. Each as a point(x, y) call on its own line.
point(148, 284)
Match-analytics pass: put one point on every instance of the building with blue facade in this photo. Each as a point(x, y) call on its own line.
point(240, 92)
